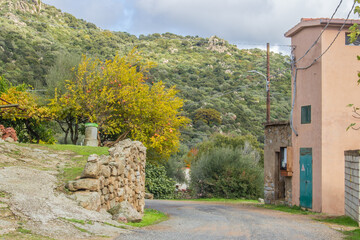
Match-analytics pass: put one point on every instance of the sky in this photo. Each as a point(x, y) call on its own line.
point(246, 23)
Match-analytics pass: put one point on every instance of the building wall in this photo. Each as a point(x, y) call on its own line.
point(276, 135)
point(339, 88)
point(308, 93)
point(352, 186)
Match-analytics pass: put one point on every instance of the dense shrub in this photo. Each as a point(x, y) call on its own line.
point(227, 173)
point(157, 182)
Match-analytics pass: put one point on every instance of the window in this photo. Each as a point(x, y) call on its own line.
point(283, 158)
point(306, 114)
point(355, 43)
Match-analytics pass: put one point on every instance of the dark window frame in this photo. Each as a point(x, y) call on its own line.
point(348, 43)
point(306, 114)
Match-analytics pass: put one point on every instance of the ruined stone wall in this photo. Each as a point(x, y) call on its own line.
point(277, 134)
point(108, 181)
point(352, 184)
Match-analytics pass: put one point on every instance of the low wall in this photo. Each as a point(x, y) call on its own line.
point(352, 187)
point(108, 181)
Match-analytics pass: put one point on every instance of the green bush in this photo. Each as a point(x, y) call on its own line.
point(227, 173)
point(158, 183)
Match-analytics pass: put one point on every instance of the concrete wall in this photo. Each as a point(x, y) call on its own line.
point(277, 134)
point(339, 88)
point(328, 86)
point(308, 93)
point(109, 180)
point(352, 187)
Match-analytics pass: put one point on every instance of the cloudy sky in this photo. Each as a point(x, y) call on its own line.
point(246, 23)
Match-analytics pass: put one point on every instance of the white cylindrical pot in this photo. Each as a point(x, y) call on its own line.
point(91, 133)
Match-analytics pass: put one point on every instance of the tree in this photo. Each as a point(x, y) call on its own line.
point(29, 116)
point(114, 95)
point(208, 115)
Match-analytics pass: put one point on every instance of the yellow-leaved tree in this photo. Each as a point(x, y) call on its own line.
point(114, 95)
point(29, 117)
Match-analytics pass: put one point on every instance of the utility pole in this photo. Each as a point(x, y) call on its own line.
point(268, 84)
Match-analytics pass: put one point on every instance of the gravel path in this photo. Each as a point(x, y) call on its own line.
point(195, 220)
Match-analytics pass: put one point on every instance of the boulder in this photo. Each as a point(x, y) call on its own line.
point(127, 211)
point(88, 200)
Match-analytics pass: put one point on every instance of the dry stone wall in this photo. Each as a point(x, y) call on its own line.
point(108, 181)
point(352, 187)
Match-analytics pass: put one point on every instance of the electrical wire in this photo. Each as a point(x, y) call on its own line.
point(296, 69)
point(317, 40)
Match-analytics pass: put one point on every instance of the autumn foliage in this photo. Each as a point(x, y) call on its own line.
point(114, 95)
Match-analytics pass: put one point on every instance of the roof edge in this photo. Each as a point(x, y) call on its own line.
point(314, 22)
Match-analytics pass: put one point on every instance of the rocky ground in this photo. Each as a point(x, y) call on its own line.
point(32, 203)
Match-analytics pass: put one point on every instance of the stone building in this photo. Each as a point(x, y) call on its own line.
point(277, 163)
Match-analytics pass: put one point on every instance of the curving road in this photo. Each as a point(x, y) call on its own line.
point(209, 221)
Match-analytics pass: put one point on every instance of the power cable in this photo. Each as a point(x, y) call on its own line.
point(317, 40)
point(296, 69)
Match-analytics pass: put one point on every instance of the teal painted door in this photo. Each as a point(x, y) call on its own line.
point(306, 177)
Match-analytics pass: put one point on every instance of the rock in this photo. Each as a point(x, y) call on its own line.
point(91, 170)
point(88, 200)
point(105, 171)
point(70, 186)
point(126, 210)
point(149, 196)
point(260, 200)
point(93, 158)
point(87, 184)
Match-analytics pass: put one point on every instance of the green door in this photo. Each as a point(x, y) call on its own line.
point(306, 177)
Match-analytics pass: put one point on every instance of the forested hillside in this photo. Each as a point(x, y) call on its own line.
point(210, 74)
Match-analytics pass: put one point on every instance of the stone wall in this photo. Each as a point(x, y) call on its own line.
point(108, 181)
point(352, 187)
point(277, 134)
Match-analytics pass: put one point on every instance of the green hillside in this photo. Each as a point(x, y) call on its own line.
point(210, 73)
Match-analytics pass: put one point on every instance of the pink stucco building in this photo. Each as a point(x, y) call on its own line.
point(320, 116)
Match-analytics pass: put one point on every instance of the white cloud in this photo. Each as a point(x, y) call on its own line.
point(238, 21)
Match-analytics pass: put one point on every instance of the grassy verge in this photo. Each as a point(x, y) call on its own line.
point(81, 150)
point(352, 235)
point(342, 220)
point(219, 200)
point(284, 208)
point(151, 217)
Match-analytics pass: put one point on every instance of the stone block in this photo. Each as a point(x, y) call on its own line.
point(106, 182)
point(91, 170)
point(114, 171)
point(105, 171)
point(87, 184)
point(105, 190)
point(88, 200)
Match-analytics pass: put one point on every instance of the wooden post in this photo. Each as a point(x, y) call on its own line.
point(268, 84)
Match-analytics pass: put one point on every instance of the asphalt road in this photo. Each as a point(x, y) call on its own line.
point(208, 221)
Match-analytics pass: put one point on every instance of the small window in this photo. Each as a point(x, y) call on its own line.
point(283, 158)
point(306, 114)
point(347, 40)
